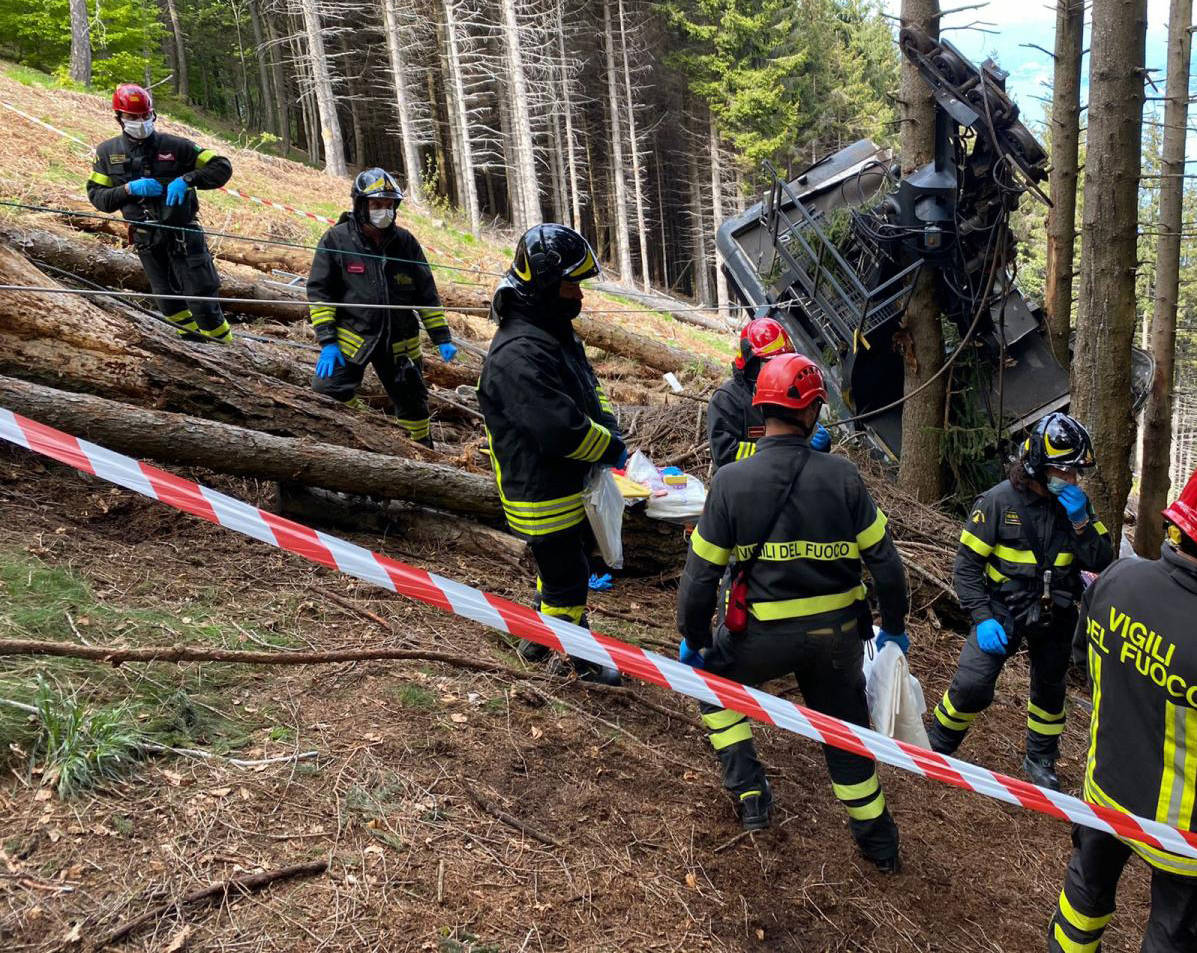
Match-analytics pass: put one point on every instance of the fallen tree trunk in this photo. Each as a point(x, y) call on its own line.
point(643, 350)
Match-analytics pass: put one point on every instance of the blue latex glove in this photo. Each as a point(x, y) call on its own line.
point(330, 359)
point(901, 640)
point(821, 439)
point(600, 583)
point(176, 191)
point(689, 656)
point(991, 636)
point(448, 351)
point(1075, 503)
point(623, 459)
point(145, 188)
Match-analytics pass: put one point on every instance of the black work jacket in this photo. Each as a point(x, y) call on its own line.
point(809, 572)
point(1138, 618)
point(548, 422)
point(733, 424)
point(995, 561)
point(350, 268)
point(163, 157)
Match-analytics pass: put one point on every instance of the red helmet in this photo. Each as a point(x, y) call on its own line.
point(792, 380)
point(1183, 512)
point(131, 98)
point(764, 338)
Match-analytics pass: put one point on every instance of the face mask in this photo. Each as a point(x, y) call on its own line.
point(565, 309)
point(1056, 485)
point(382, 217)
point(139, 128)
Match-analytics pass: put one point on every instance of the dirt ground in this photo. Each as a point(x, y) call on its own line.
point(642, 851)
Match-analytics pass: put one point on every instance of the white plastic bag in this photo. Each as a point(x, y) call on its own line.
point(896, 703)
point(604, 509)
point(682, 504)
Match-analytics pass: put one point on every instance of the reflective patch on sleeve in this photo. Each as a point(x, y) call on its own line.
point(976, 544)
point(99, 178)
point(872, 534)
point(204, 158)
point(713, 554)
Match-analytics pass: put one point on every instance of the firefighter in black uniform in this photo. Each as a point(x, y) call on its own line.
point(547, 419)
point(807, 610)
point(366, 259)
point(733, 424)
point(1138, 621)
point(151, 177)
point(1018, 574)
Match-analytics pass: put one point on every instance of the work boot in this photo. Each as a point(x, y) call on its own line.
point(1042, 772)
point(590, 672)
point(221, 334)
point(940, 742)
point(531, 651)
point(426, 441)
point(888, 865)
point(756, 808)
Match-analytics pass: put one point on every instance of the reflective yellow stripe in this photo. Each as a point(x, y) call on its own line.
point(99, 178)
point(1101, 528)
point(745, 448)
point(573, 613)
point(723, 718)
point(351, 335)
point(978, 546)
point(1162, 859)
point(1179, 776)
point(416, 429)
point(1043, 713)
point(950, 717)
point(587, 264)
point(992, 573)
point(1023, 556)
point(406, 346)
point(867, 812)
point(951, 723)
point(593, 445)
point(1064, 559)
point(716, 555)
point(1050, 729)
point(543, 507)
point(1069, 945)
point(1080, 920)
point(204, 158)
point(808, 605)
point(854, 792)
point(545, 525)
point(434, 318)
point(872, 534)
point(803, 549)
point(730, 736)
point(604, 401)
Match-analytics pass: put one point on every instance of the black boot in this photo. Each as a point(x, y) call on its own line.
point(591, 672)
point(941, 741)
point(1042, 772)
point(890, 865)
point(532, 651)
point(756, 809)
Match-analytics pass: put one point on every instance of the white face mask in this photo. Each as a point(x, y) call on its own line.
point(139, 128)
point(382, 217)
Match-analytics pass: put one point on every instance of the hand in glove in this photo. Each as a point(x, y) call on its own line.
point(689, 656)
point(600, 583)
point(821, 439)
point(176, 191)
point(623, 459)
point(144, 188)
point(991, 636)
point(330, 359)
point(1075, 503)
point(901, 640)
point(448, 351)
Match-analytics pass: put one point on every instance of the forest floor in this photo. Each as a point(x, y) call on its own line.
point(638, 846)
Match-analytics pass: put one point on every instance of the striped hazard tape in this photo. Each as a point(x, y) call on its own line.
point(286, 208)
point(562, 636)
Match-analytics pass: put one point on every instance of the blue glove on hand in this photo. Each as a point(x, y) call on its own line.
point(448, 351)
point(623, 459)
point(145, 188)
point(821, 439)
point(1075, 503)
point(176, 191)
point(901, 640)
point(600, 583)
point(689, 656)
point(330, 359)
point(991, 636)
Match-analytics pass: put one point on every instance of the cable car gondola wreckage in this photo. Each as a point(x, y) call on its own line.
point(835, 253)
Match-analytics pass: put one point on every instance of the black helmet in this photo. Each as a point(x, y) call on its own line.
point(1058, 440)
point(375, 184)
point(547, 255)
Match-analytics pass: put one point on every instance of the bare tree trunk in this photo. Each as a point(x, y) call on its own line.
point(570, 150)
point(182, 86)
point(721, 295)
point(698, 234)
point(920, 471)
point(524, 170)
point(1062, 182)
point(407, 137)
point(278, 78)
point(619, 186)
point(266, 85)
point(460, 118)
point(326, 103)
point(80, 43)
point(1157, 418)
point(641, 230)
point(1105, 326)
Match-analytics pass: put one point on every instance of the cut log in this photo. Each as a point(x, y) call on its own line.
point(643, 350)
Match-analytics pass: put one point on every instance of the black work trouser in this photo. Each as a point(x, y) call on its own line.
point(401, 378)
point(971, 692)
point(826, 660)
point(179, 263)
point(563, 572)
point(1086, 903)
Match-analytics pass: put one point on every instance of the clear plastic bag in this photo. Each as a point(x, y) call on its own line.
point(604, 510)
point(896, 702)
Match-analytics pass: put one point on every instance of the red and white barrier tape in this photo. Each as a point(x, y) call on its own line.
point(470, 603)
point(286, 208)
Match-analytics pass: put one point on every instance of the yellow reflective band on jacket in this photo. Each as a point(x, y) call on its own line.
point(604, 401)
point(349, 342)
point(572, 613)
point(593, 445)
point(745, 448)
point(1083, 921)
point(977, 545)
point(1026, 557)
point(1044, 722)
point(321, 314)
point(1101, 528)
point(1178, 783)
point(995, 575)
point(872, 534)
point(540, 517)
point(807, 605)
point(802, 549)
point(1161, 859)
point(725, 728)
point(204, 158)
point(716, 555)
point(1069, 945)
point(99, 178)
point(434, 318)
